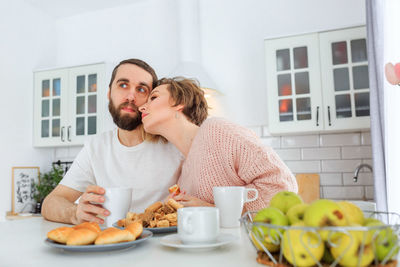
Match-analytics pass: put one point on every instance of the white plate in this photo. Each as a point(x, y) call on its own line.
point(98, 248)
point(174, 241)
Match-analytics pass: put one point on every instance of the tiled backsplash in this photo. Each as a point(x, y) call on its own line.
point(333, 156)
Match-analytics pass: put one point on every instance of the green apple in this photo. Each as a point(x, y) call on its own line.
point(352, 212)
point(302, 248)
point(296, 213)
point(270, 215)
point(324, 212)
point(349, 251)
point(284, 200)
point(259, 239)
point(386, 244)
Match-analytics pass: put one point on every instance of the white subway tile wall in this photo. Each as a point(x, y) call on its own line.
point(333, 156)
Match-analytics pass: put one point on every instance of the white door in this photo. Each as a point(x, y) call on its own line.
point(345, 82)
point(50, 107)
point(293, 84)
point(87, 90)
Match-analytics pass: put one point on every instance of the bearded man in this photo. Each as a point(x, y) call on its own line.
point(124, 157)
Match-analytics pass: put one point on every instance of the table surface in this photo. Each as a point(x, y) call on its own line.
point(22, 244)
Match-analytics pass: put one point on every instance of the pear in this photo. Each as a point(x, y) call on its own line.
point(302, 248)
point(284, 200)
point(349, 251)
point(322, 213)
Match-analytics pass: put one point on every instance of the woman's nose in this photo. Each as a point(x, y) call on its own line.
point(142, 108)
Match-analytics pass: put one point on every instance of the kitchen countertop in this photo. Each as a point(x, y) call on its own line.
point(22, 244)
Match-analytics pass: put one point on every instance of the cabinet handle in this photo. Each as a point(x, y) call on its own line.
point(329, 116)
point(68, 133)
point(62, 134)
point(317, 115)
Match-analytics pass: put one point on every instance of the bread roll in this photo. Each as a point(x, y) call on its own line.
point(136, 228)
point(60, 234)
point(81, 236)
point(89, 225)
point(113, 235)
point(174, 204)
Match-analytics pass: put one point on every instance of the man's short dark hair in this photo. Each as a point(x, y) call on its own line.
point(140, 64)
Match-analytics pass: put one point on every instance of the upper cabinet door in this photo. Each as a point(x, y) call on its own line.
point(87, 92)
point(345, 79)
point(293, 84)
point(50, 107)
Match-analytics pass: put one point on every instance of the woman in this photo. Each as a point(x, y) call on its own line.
point(217, 152)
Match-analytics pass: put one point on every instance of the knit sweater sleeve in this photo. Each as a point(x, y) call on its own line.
point(257, 165)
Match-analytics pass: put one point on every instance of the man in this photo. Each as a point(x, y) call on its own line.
point(117, 158)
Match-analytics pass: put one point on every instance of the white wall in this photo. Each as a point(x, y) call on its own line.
point(27, 41)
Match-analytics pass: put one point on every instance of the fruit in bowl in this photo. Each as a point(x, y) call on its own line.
point(284, 200)
point(270, 215)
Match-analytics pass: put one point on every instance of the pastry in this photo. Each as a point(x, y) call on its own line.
point(60, 234)
point(81, 236)
point(174, 189)
point(174, 204)
point(153, 207)
point(136, 228)
point(113, 235)
point(89, 225)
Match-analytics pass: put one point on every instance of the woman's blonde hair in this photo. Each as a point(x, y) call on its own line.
point(187, 92)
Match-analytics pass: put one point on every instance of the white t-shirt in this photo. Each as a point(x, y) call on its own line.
point(148, 168)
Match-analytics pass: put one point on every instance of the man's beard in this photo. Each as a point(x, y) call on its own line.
point(125, 122)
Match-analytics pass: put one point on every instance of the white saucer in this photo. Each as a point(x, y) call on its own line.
point(174, 241)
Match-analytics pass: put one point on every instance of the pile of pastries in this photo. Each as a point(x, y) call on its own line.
point(157, 214)
point(89, 233)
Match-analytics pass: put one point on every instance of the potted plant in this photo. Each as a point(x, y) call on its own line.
point(48, 181)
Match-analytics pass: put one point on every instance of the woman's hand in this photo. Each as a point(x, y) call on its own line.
point(190, 201)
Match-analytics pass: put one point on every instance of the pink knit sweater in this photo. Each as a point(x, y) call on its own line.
point(226, 154)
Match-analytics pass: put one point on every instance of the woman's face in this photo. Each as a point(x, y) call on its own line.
point(158, 110)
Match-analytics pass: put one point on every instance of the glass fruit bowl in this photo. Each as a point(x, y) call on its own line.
point(300, 245)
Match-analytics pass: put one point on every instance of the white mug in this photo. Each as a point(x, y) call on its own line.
point(197, 225)
point(230, 200)
point(117, 202)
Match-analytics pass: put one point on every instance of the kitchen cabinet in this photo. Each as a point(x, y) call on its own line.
point(68, 104)
point(318, 82)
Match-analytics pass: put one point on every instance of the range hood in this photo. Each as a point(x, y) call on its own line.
point(189, 64)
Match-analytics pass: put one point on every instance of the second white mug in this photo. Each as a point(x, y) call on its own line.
point(230, 200)
point(117, 201)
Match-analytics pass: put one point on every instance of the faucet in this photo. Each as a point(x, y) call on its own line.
point(355, 178)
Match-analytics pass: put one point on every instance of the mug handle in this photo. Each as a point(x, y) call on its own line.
point(247, 199)
point(187, 224)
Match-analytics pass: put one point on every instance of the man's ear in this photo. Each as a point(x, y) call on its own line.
point(108, 94)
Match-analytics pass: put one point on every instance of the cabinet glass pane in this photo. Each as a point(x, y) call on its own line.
point(45, 128)
point(303, 106)
point(286, 110)
point(91, 125)
point(300, 57)
point(302, 83)
point(80, 105)
point(339, 53)
point(284, 85)
point(56, 107)
point(56, 87)
point(45, 108)
point(361, 102)
point(358, 50)
point(92, 104)
point(55, 128)
point(343, 106)
point(282, 59)
point(341, 79)
point(80, 126)
point(360, 77)
point(45, 88)
point(80, 84)
point(92, 82)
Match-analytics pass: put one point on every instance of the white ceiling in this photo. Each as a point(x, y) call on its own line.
point(66, 8)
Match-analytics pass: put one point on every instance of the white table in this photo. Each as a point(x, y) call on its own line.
point(22, 244)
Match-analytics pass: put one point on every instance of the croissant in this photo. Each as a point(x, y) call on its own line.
point(89, 225)
point(81, 236)
point(113, 235)
point(136, 228)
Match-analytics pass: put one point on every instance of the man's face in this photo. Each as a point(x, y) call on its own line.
point(129, 90)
